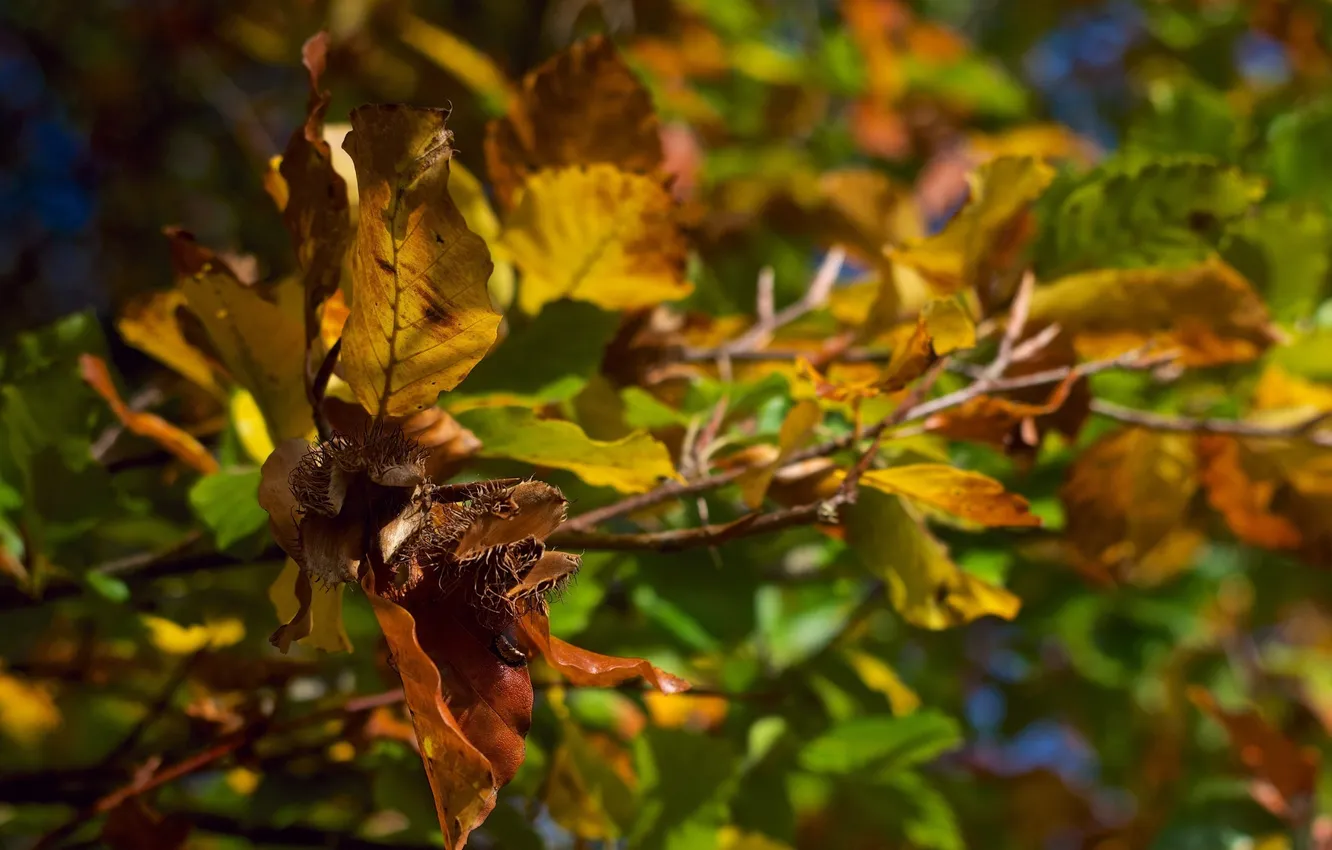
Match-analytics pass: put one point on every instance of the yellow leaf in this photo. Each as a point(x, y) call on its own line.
point(248, 421)
point(258, 331)
point(1126, 500)
point(962, 493)
point(633, 464)
point(153, 324)
point(421, 315)
point(1280, 390)
point(27, 710)
point(950, 325)
point(175, 639)
point(927, 588)
point(588, 789)
point(475, 69)
point(327, 631)
point(796, 429)
point(1044, 141)
point(597, 234)
point(1208, 312)
point(694, 711)
point(243, 781)
point(582, 106)
point(878, 676)
point(980, 240)
point(184, 446)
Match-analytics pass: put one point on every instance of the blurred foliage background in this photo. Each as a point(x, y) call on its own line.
point(822, 721)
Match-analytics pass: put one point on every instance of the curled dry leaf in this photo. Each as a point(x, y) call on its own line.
point(255, 328)
point(316, 210)
point(150, 425)
point(596, 233)
point(585, 668)
point(1001, 422)
point(461, 779)
point(421, 315)
point(582, 106)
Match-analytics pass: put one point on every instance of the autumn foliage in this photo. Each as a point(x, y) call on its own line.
point(716, 444)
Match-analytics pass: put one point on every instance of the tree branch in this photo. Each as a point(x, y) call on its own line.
point(1304, 430)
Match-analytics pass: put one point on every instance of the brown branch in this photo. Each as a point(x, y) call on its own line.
point(768, 323)
point(704, 535)
point(319, 387)
point(1304, 430)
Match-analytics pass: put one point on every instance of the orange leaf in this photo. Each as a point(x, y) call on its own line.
point(584, 668)
point(1289, 769)
point(583, 106)
point(168, 436)
point(461, 777)
point(998, 421)
point(1243, 501)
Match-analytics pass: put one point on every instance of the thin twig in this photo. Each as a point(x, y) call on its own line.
point(692, 538)
point(819, 288)
point(1304, 430)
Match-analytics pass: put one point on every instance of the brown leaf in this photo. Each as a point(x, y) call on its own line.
point(1244, 502)
point(301, 623)
point(150, 425)
point(1289, 769)
point(591, 669)
point(461, 777)
point(133, 825)
point(275, 494)
point(998, 421)
point(421, 314)
point(1127, 500)
point(547, 573)
point(583, 106)
point(316, 211)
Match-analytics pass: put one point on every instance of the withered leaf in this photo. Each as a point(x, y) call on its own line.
point(1127, 499)
point(591, 669)
point(461, 777)
point(150, 425)
point(1244, 502)
point(255, 328)
point(582, 106)
point(999, 421)
point(421, 316)
point(316, 211)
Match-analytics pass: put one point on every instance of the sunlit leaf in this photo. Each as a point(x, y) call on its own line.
point(596, 233)
point(28, 711)
point(883, 742)
point(927, 588)
point(225, 502)
point(631, 465)
point(584, 668)
point(1208, 312)
point(175, 639)
point(421, 314)
point(583, 106)
point(962, 493)
point(324, 610)
point(878, 676)
point(983, 239)
point(156, 324)
point(256, 329)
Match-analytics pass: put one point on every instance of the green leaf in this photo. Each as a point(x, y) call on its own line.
point(565, 339)
point(1283, 249)
point(227, 503)
point(631, 465)
point(1297, 143)
point(1186, 116)
point(932, 823)
point(884, 742)
point(1136, 211)
point(686, 780)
